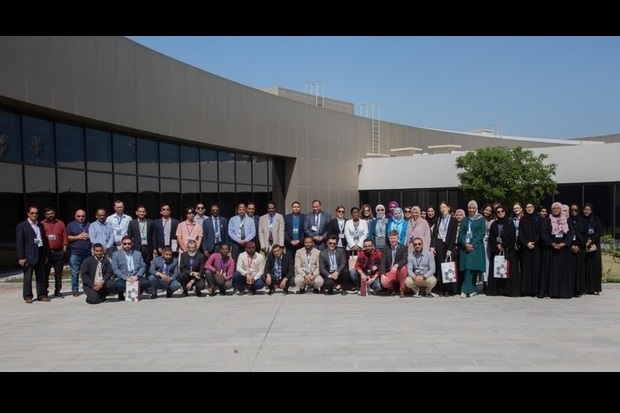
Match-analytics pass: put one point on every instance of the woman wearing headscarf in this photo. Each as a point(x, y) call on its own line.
point(417, 227)
point(529, 239)
point(431, 216)
point(489, 216)
point(391, 206)
point(378, 228)
point(502, 241)
point(398, 224)
point(471, 255)
point(594, 263)
point(556, 234)
point(578, 250)
point(442, 244)
point(459, 215)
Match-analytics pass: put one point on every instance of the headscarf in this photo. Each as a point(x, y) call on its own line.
point(532, 218)
point(559, 223)
point(567, 208)
point(382, 220)
point(380, 214)
point(477, 214)
point(388, 211)
point(431, 221)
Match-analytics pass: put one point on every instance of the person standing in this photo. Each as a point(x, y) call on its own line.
point(80, 247)
point(316, 223)
point(166, 230)
point(378, 228)
point(241, 230)
point(555, 277)
point(472, 255)
point(442, 242)
point(97, 276)
point(101, 232)
point(294, 230)
point(594, 260)
point(214, 232)
point(188, 230)
point(56, 233)
point(200, 213)
point(142, 232)
point(120, 223)
point(270, 229)
point(32, 254)
point(355, 231)
point(250, 211)
point(502, 241)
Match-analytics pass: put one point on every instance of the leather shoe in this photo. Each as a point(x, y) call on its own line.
point(198, 293)
point(153, 296)
point(59, 295)
point(121, 297)
point(28, 300)
point(44, 299)
point(270, 292)
point(343, 292)
point(402, 294)
point(222, 291)
point(301, 291)
point(285, 291)
point(76, 294)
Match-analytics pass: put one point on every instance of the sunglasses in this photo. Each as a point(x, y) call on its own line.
point(380, 209)
point(340, 210)
point(331, 243)
point(407, 210)
point(415, 244)
point(500, 211)
point(127, 243)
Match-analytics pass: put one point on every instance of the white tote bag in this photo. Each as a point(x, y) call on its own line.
point(501, 266)
point(448, 271)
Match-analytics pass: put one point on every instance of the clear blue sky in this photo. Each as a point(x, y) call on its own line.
point(529, 86)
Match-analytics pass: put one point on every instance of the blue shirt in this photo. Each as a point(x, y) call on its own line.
point(80, 247)
point(234, 225)
point(101, 233)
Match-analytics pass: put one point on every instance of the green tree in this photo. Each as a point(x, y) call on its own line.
point(499, 174)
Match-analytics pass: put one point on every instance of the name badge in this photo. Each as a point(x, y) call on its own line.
point(52, 237)
point(341, 236)
point(313, 228)
point(295, 230)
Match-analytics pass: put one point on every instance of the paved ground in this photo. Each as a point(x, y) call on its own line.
point(311, 333)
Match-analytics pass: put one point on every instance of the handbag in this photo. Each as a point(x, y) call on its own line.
point(132, 291)
point(448, 271)
point(501, 266)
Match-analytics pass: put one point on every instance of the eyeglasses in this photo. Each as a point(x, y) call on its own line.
point(499, 211)
point(200, 207)
point(331, 243)
point(36, 213)
point(380, 209)
point(408, 210)
point(340, 210)
point(165, 209)
point(415, 244)
point(127, 243)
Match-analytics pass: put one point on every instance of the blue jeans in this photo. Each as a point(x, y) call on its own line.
point(75, 263)
point(239, 281)
point(356, 280)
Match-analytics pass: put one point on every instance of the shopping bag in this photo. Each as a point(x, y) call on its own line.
point(448, 271)
point(352, 260)
point(501, 266)
point(132, 291)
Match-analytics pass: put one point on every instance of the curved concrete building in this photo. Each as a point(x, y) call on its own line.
point(86, 120)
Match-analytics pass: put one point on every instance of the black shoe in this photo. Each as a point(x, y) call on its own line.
point(121, 297)
point(285, 291)
point(315, 291)
point(330, 291)
point(343, 292)
point(58, 295)
point(271, 290)
point(301, 291)
point(251, 292)
point(183, 294)
point(222, 291)
point(198, 293)
point(153, 296)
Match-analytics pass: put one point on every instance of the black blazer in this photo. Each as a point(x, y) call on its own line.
point(159, 231)
point(288, 231)
point(334, 230)
point(386, 257)
point(26, 247)
point(324, 264)
point(134, 232)
point(208, 234)
point(197, 266)
point(89, 270)
point(288, 266)
point(450, 233)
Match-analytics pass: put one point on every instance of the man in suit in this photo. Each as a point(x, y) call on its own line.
point(97, 276)
point(294, 230)
point(32, 254)
point(142, 232)
point(279, 270)
point(128, 265)
point(316, 223)
point(164, 274)
point(307, 267)
point(270, 228)
point(214, 232)
point(165, 230)
point(393, 263)
point(192, 269)
point(333, 267)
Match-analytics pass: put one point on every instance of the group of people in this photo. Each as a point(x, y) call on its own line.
point(398, 251)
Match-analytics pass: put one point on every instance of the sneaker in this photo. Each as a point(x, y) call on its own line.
point(428, 295)
point(417, 295)
point(463, 295)
point(473, 295)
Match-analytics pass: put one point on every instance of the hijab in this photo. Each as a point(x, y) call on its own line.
point(476, 215)
point(558, 223)
point(388, 212)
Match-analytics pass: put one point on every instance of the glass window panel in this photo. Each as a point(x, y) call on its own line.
point(125, 183)
point(69, 146)
point(71, 181)
point(148, 157)
point(228, 201)
point(244, 194)
point(190, 157)
point(10, 137)
point(38, 141)
point(99, 182)
point(226, 162)
point(169, 160)
point(100, 200)
point(261, 197)
point(11, 211)
point(148, 185)
point(69, 203)
point(15, 184)
point(124, 153)
point(208, 165)
point(243, 169)
point(130, 200)
point(260, 170)
point(188, 186)
point(98, 150)
point(39, 179)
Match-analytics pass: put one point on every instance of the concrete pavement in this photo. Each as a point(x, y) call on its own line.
point(312, 333)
